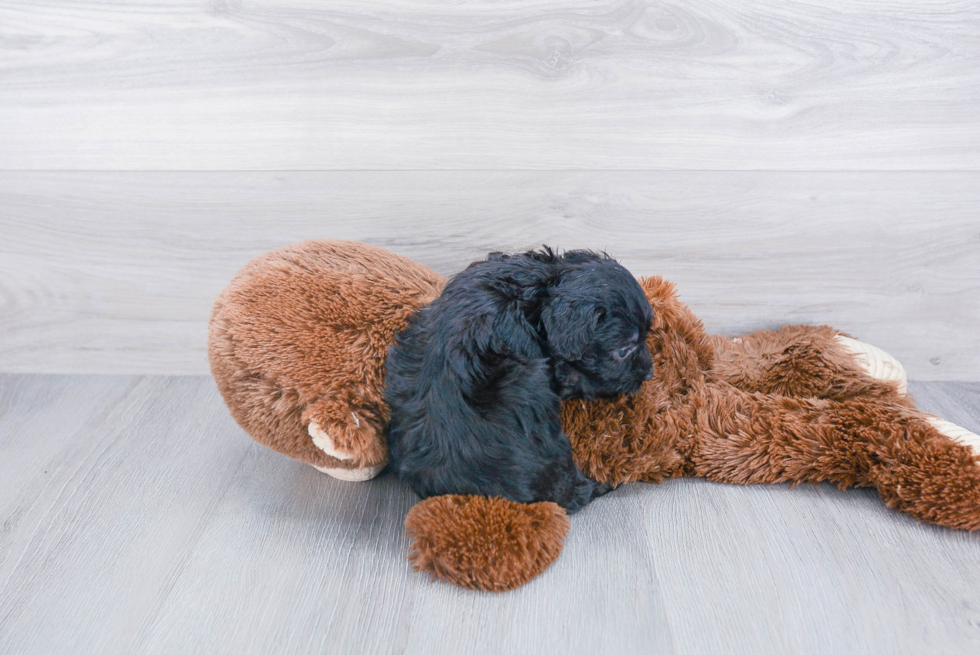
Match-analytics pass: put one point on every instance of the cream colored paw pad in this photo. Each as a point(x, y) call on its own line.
point(323, 441)
point(875, 362)
point(956, 433)
point(352, 475)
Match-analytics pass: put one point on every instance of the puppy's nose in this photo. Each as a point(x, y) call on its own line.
point(649, 375)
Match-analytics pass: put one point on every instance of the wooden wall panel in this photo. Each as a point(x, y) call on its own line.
point(116, 272)
point(545, 84)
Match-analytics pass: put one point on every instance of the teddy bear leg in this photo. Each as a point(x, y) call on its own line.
point(920, 465)
point(349, 437)
point(934, 474)
point(491, 544)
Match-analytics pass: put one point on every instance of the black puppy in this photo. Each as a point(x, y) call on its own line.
point(475, 379)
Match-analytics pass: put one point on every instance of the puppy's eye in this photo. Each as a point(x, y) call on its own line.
point(625, 351)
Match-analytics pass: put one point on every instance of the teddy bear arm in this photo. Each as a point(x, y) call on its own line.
point(349, 428)
point(806, 361)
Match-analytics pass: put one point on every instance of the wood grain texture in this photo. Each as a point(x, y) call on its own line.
point(537, 84)
point(137, 518)
point(116, 272)
point(111, 482)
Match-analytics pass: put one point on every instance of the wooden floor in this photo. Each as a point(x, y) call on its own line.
point(138, 518)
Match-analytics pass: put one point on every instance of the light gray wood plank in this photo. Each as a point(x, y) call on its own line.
point(142, 520)
point(116, 272)
point(112, 482)
point(293, 561)
point(543, 84)
point(809, 570)
point(40, 419)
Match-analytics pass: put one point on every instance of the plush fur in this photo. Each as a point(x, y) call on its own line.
point(790, 405)
point(485, 543)
point(474, 382)
point(300, 336)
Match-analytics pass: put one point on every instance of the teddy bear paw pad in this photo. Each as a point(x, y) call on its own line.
point(875, 362)
point(956, 433)
point(323, 441)
point(352, 475)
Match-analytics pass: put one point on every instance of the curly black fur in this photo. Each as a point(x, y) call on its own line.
point(475, 380)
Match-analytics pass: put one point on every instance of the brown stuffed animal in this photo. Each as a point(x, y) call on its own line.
point(297, 346)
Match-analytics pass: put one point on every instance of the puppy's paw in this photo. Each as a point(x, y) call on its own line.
point(957, 433)
point(351, 475)
point(323, 441)
point(875, 362)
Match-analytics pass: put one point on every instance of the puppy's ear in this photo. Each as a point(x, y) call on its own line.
point(570, 326)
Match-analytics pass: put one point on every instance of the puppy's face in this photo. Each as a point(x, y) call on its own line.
point(597, 320)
